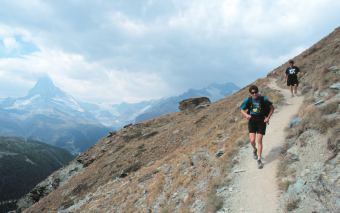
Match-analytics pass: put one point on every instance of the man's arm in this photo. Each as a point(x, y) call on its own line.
point(244, 109)
point(245, 114)
point(271, 111)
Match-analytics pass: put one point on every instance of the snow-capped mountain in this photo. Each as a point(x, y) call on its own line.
point(43, 97)
point(48, 114)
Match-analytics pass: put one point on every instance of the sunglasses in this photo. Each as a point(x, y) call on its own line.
point(253, 92)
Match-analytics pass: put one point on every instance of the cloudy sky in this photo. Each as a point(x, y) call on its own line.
point(132, 50)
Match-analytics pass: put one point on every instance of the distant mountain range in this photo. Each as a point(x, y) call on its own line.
point(119, 115)
point(23, 164)
point(48, 114)
point(167, 105)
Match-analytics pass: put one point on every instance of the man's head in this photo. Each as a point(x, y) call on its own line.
point(253, 90)
point(291, 62)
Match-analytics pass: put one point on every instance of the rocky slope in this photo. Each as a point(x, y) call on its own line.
point(178, 162)
point(309, 174)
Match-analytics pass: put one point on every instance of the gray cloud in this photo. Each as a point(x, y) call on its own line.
point(162, 47)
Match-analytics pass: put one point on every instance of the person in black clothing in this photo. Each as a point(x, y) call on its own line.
point(257, 110)
point(292, 77)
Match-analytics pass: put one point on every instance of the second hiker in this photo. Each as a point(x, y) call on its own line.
point(292, 78)
point(258, 110)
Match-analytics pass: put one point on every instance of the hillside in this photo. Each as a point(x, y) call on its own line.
point(180, 162)
point(23, 164)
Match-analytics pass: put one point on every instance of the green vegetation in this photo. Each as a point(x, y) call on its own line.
point(23, 164)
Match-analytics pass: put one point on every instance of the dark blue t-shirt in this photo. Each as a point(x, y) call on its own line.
point(256, 109)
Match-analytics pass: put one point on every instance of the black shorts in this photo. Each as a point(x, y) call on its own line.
point(291, 81)
point(257, 125)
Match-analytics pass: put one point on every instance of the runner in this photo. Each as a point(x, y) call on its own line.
point(292, 78)
point(257, 110)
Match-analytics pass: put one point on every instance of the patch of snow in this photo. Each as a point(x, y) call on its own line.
point(2, 154)
point(70, 102)
point(19, 104)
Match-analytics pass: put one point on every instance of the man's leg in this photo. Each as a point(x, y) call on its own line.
point(252, 140)
point(291, 90)
point(259, 153)
point(295, 88)
point(259, 145)
point(253, 144)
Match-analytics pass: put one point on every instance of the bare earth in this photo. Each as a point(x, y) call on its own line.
point(255, 190)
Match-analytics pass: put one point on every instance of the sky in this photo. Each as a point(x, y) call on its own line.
point(104, 51)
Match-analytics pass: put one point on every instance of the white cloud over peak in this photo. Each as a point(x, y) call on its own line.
point(127, 50)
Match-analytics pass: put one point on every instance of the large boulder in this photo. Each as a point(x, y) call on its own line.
point(193, 103)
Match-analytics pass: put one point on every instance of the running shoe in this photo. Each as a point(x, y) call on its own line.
point(259, 164)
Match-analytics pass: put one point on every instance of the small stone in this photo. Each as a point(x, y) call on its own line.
point(239, 171)
point(319, 102)
point(294, 122)
point(185, 198)
point(175, 132)
point(335, 86)
point(219, 153)
point(324, 94)
point(334, 68)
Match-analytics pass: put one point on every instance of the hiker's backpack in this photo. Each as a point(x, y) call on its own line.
point(264, 108)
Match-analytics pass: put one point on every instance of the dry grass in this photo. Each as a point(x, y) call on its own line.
point(155, 188)
point(283, 173)
point(312, 118)
point(214, 202)
point(293, 203)
point(330, 108)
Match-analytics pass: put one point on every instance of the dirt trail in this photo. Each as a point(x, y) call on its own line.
point(255, 190)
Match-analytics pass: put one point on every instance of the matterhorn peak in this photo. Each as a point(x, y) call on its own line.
point(45, 88)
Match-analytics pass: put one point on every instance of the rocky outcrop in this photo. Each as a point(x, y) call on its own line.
point(194, 103)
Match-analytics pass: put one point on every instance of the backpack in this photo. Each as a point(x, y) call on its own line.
point(264, 108)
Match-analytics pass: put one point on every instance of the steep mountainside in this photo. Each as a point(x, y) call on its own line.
point(179, 162)
point(23, 164)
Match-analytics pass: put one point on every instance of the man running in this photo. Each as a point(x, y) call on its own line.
point(292, 78)
point(257, 110)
